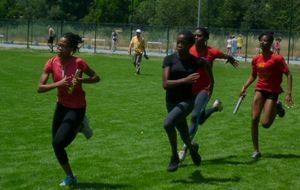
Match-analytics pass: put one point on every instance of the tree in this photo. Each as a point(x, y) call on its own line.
point(144, 13)
point(175, 13)
point(109, 11)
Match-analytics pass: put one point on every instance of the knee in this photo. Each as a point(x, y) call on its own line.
point(168, 126)
point(266, 124)
point(56, 144)
point(194, 117)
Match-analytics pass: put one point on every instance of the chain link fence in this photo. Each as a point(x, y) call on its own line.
point(159, 40)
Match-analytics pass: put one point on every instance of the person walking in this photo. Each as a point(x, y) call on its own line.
point(179, 73)
point(203, 87)
point(277, 45)
point(67, 73)
point(137, 43)
point(268, 68)
point(239, 45)
point(51, 36)
point(114, 40)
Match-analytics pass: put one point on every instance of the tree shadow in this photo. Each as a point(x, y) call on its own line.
point(198, 178)
point(95, 185)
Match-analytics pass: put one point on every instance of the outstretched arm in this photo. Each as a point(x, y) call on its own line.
point(231, 60)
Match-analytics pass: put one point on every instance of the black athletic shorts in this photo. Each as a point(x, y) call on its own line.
point(51, 39)
point(269, 95)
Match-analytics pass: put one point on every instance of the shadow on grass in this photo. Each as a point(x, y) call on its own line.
point(197, 177)
point(94, 185)
point(228, 160)
point(224, 160)
point(281, 156)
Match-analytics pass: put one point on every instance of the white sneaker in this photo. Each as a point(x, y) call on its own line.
point(86, 129)
point(218, 104)
point(256, 155)
point(182, 154)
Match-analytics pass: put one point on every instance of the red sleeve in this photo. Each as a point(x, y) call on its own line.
point(48, 66)
point(81, 64)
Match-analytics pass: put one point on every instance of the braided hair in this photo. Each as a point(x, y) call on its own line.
point(204, 31)
point(270, 36)
point(74, 40)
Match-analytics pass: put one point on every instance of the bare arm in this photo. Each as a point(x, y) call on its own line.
point(288, 98)
point(172, 83)
point(44, 87)
point(208, 69)
point(93, 77)
point(250, 80)
point(130, 47)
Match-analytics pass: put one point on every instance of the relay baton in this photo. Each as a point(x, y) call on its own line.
point(238, 104)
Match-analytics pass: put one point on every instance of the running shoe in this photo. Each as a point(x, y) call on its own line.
point(195, 155)
point(218, 104)
point(182, 154)
point(174, 163)
point(68, 181)
point(280, 110)
point(256, 155)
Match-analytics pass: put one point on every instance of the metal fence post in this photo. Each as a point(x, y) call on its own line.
point(28, 30)
point(168, 40)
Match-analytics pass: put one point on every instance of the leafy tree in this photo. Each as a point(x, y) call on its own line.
point(111, 11)
point(144, 13)
point(175, 13)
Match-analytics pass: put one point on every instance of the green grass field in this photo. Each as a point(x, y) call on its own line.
point(129, 149)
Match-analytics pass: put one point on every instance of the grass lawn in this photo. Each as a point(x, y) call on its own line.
point(129, 149)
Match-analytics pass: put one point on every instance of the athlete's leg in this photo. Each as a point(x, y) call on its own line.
point(198, 112)
point(217, 106)
point(270, 113)
point(257, 106)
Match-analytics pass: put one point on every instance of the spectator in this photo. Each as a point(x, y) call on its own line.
point(114, 40)
point(239, 45)
point(138, 45)
point(277, 45)
point(51, 36)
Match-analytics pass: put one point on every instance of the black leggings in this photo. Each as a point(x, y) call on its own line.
point(64, 129)
point(176, 118)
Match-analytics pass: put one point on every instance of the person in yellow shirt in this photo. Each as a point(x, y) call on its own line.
point(137, 43)
point(239, 45)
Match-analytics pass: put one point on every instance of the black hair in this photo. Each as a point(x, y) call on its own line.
point(74, 40)
point(204, 31)
point(270, 36)
point(189, 36)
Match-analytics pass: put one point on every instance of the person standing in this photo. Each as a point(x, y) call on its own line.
point(51, 36)
point(277, 45)
point(179, 73)
point(234, 46)
point(229, 45)
point(67, 74)
point(239, 45)
point(114, 40)
point(137, 43)
point(269, 68)
point(203, 87)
